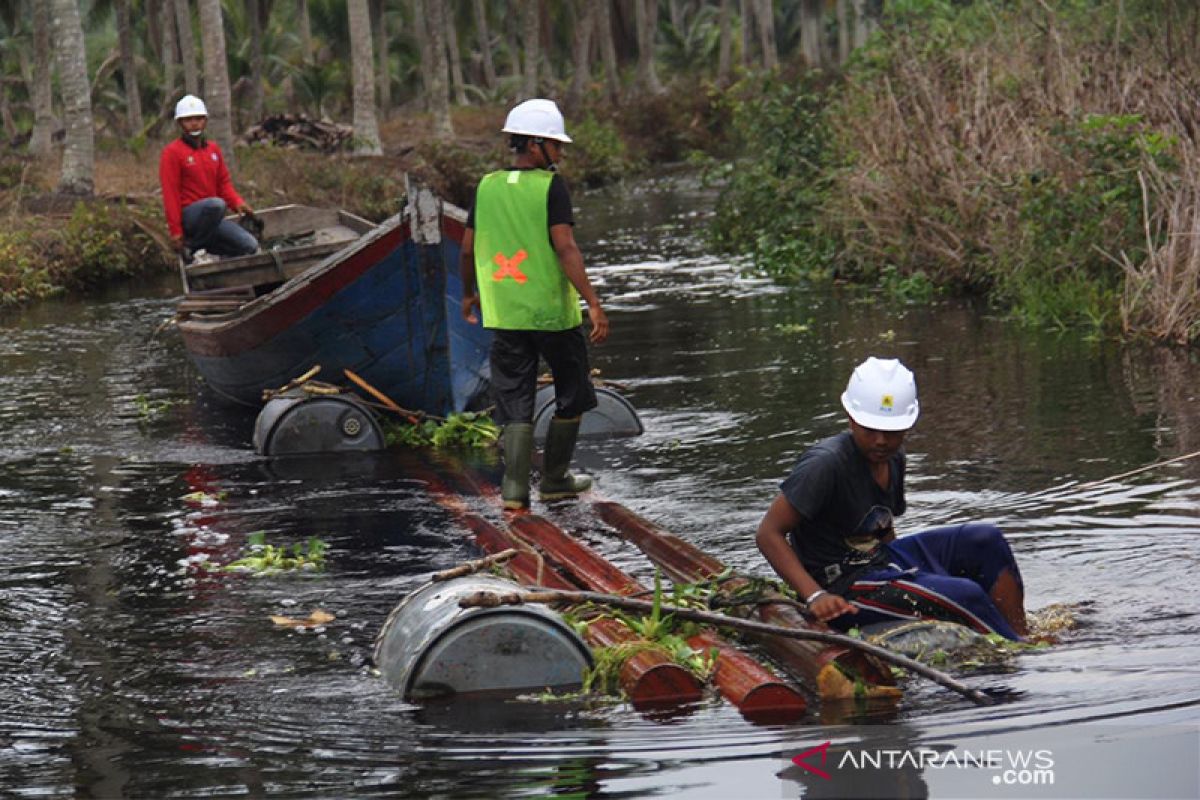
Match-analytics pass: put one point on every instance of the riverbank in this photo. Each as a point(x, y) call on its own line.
point(53, 245)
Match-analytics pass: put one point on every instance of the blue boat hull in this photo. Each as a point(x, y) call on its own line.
point(386, 308)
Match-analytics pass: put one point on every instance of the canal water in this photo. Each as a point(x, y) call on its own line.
point(129, 671)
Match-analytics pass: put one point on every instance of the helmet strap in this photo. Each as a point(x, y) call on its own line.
point(550, 165)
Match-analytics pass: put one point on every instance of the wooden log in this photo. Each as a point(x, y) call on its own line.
point(649, 678)
point(831, 671)
point(487, 599)
point(756, 691)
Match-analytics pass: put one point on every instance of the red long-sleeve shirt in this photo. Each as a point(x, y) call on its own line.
point(189, 174)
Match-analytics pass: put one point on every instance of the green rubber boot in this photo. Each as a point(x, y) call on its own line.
point(518, 450)
point(557, 483)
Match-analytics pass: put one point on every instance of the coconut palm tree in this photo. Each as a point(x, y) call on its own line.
point(187, 45)
point(531, 24)
point(646, 14)
point(40, 91)
point(129, 77)
point(77, 176)
point(439, 83)
point(366, 129)
point(485, 45)
point(216, 77)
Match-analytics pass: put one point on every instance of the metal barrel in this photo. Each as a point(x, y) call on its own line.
point(429, 646)
point(296, 423)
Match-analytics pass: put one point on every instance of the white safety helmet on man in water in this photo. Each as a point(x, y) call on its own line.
point(190, 106)
point(537, 118)
point(882, 395)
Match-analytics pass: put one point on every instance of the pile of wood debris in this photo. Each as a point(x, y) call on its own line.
point(300, 131)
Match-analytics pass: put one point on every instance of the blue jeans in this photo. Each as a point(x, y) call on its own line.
point(205, 228)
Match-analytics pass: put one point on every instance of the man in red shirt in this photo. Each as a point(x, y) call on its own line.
point(197, 191)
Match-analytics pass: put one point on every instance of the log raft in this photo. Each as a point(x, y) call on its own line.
point(756, 691)
point(649, 678)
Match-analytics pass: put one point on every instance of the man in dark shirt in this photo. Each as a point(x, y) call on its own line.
point(830, 532)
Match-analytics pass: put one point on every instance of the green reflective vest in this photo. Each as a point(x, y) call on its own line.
point(521, 285)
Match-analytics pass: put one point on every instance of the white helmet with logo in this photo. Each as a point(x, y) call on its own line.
point(190, 106)
point(539, 118)
point(882, 395)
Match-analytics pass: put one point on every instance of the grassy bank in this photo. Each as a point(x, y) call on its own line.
point(1042, 154)
point(50, 245)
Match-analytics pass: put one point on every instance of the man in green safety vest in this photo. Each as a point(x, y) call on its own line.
point(521, 266)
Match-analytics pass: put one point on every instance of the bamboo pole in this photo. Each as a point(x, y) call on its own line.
point(493, 599)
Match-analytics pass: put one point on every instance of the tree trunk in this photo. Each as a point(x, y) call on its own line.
point(843, 32)
point(40, 91)
point(421, 32)
point(608, 50)
point(646, 16)
point(485, 45)
point(439, 85)
point(77, 177)
point(216, 78)
point(254, 13)
point(170, 53)
point(455, 56)
point(746, 12)
point(810, 32)
point(187, 46)
point(153, 11)
point(6, 117)
point(305, 22)
point(531, 29)
point(366, 129)
point(766, 34)
point(582, 48)
point(724, 64)
point(862, 26)
point(383, 64)
point(133, 100)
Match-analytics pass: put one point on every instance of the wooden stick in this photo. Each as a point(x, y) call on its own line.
point(1146, 468)
point(388, 402)
point(471, 567)
point(292, 384)
point(492, 599)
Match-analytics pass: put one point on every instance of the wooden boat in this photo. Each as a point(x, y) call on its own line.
point(334, 290)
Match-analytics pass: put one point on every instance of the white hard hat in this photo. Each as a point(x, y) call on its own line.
point(190, 106)
point(882, 395)
point(537, 118)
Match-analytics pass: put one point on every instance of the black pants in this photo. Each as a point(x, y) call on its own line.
point(514, 361)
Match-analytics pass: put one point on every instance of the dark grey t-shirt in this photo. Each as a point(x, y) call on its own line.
point(843, 511)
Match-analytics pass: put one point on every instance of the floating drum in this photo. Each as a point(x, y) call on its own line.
point(295, 423)
point(429, 646)
point(612, 416)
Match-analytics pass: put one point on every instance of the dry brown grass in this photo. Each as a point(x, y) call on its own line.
point(1162, 292)
point(947, 142)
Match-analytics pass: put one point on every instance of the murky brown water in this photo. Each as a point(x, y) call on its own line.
point(127, 674)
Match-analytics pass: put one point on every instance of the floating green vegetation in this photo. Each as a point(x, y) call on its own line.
point(149, 409)
point(266, 559)
point(204, 498)
point(657, 633)
point(466, 430)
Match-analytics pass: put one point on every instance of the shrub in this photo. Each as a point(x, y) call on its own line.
point(770, 202)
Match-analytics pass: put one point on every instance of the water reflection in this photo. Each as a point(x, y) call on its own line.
point(131, 671)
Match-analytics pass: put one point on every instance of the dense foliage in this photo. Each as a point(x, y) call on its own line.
point(1039, 153)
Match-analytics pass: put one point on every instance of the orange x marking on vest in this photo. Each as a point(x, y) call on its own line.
point(508, 267)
